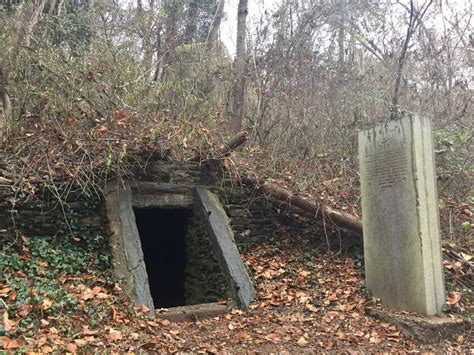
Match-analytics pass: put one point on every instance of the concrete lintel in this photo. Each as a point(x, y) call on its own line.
point(161, 195)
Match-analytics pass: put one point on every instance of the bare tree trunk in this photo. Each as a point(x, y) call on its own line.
point(340, 42)
point(239, 88)
point(30, 16)
point(191, 24)
point(216, 24)
point(415, 19)
point(146, 33)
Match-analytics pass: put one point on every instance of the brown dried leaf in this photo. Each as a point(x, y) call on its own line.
point(165, 322)
point(148, 346)
point(302, 342)
point(7, 323)
point(114, 335)
point(46, 304)
point(71, 347)
point(8, 343)
point(24, 309)
point(311, 308)
point(80, 342)
point(101, 129)
point(87, 331)
point(4, 291)
point(453, 298)
point(242, 335)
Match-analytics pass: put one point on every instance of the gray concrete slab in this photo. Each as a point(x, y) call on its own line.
point(222, 238)
point(128, 260)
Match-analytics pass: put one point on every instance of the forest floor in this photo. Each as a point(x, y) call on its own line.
point(310, 298)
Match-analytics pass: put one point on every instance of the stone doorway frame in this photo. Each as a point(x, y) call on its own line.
point(128, 259)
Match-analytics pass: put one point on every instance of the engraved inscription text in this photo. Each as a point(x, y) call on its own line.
point(387, 168)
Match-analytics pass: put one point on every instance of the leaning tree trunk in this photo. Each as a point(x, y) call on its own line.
point(213, 37)
point(30, 16)
point(239, 88)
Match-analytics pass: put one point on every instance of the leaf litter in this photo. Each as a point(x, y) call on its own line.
point(309, 299)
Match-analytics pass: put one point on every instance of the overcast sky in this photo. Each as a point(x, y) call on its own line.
point(256, 8)
point(229, 26)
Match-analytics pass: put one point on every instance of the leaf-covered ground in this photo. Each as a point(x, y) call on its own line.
point(59, 296)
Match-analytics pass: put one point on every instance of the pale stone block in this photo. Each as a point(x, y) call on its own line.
point(402, 247)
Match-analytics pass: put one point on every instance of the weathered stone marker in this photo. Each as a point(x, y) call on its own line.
point(222, 238)
point(402, 246)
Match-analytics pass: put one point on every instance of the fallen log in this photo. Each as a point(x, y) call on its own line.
point(235, 142)
point(310, 208)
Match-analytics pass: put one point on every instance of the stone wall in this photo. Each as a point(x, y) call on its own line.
point(45, 215)
point(252, 215)
point(78, 219)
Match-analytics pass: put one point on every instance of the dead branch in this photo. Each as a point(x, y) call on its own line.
point(235, 142)
point(310, 208)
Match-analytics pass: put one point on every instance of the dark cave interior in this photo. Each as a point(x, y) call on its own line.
point(162, 234)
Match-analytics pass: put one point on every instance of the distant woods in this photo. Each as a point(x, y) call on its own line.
point(109, 79)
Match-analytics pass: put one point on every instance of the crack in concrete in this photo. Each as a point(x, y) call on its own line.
point(135, 267)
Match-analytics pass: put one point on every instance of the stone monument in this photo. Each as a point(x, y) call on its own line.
point(402, 248)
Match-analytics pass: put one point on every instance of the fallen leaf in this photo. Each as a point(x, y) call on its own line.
point(165, 322)
point(144, 308)
point(242, 335)
point(114, 335)
point(302, 342)
point(97, 289)
point(69, 121)
point(148, 346)
point(46, 304)
point(7, 323)
point(112, 313)
point(453, 298)
point(80, 342)
point(305, 273)
point(394, 335)
point(311, 308)
point(101, 129)
point(87, 331)
point(53, 330)
point(8, 343)
point(46, 349)
point(24, 309)
point(374, 340)
point(71, 347)
point(466, 257)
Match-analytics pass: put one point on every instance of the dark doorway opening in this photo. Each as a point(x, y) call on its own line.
point(162, 234)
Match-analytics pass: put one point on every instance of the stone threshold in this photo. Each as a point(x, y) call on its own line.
point(195, 312)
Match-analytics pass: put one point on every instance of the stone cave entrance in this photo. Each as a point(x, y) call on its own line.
point(173, 249)
point(162, 235)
